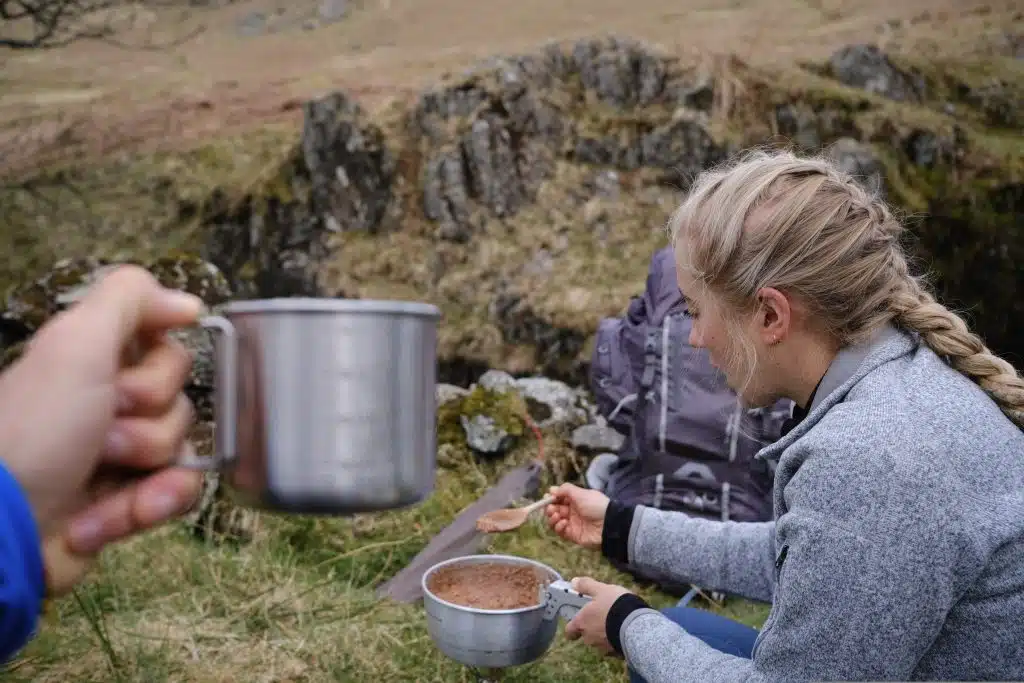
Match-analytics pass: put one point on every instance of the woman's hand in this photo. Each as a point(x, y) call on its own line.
point(590, 623)
point(577, 514)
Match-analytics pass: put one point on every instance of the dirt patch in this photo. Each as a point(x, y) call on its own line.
point(490, 585)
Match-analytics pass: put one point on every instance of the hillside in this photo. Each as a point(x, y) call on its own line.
point(514, 163)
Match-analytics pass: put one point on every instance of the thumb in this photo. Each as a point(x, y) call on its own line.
point(123, 303)
point(586, 585)
point(129, 300)
point(565, 492)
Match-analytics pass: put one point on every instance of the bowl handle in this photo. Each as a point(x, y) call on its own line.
point(560, 600)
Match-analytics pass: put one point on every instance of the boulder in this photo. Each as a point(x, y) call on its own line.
point(596, 438)
point(869, 68)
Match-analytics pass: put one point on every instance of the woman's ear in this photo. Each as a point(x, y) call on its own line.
point(775, 316)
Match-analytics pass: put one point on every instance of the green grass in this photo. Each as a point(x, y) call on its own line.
point(297, 603)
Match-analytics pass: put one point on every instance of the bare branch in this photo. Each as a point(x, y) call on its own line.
point(49, 24)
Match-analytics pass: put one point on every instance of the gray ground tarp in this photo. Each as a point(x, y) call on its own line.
point(461, 538)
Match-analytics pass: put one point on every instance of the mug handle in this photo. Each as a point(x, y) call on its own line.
point(226, 424)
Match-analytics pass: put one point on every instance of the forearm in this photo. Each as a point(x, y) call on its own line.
point(829, 619)
point(21, 568)
point(661, 651)
point(733, 557)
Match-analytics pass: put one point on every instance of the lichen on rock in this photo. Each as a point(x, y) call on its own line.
point(491, 416)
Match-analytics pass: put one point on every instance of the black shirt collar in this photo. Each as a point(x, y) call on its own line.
point(800, 413)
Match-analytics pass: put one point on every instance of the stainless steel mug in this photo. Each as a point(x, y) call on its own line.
point(325, 406)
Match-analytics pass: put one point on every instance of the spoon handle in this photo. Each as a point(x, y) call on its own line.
point(546, 500)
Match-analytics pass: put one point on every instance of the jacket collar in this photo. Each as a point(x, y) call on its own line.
point(849, 366)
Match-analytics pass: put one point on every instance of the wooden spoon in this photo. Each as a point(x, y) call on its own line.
point(509, 519)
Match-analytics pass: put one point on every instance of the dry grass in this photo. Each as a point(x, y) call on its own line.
point(296, 604)
point(96, 98)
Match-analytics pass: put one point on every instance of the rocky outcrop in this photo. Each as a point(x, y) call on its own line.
point(493, 415)
point(542, 180)
point(868, 68)
point(273, 241)
point(525, 195)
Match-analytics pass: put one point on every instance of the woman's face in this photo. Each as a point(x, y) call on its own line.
point(730, 355)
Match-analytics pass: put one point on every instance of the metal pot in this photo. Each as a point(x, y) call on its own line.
point(496, 639)
point(325, 406)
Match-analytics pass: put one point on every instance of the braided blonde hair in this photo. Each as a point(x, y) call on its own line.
point(799, 224)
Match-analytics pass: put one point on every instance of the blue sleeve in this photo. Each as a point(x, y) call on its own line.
point(22, 585)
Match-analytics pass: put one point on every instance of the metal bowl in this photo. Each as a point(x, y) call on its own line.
point(489, 638)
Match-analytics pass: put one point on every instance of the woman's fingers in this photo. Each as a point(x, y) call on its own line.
point(139, 506)
point(150, 442)
point(151, 386)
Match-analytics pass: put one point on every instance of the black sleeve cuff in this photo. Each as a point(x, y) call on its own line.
point(625, 605)
point(618, 520)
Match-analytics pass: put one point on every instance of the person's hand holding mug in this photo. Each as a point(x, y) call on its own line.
point(99, 391)
point(577, 514)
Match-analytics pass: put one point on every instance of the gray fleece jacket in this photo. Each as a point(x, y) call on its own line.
point(897, 550)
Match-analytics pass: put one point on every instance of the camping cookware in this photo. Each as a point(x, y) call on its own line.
point(325, 406)
point(495, 639)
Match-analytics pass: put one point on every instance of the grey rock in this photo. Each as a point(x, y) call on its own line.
point(1000, 102)
point(484, 435)
point(446, 196)
point(448, 392)
point(697, 94)
point(269, 251)
point(595, 438)
point(621, 72)
point(860, 161)
point(561, 401)
point(511, 132)
point(868, 68)
point(349, 163)
point(519, 323)
point(683, 145)
point(497, 163)
point(927, 149)
point(497, 381)
point(800, 124)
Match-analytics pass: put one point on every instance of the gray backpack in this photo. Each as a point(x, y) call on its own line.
point(689, 444)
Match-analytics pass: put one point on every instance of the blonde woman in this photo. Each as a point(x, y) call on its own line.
point(897, 546)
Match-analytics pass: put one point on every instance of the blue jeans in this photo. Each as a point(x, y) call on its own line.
point(725, 635)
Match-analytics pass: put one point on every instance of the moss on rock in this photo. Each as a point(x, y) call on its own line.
point(506, 408)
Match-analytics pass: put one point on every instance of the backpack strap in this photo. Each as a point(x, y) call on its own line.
point(650, 357)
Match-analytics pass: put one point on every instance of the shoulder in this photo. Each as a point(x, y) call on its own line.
point(912, 430)
point(920, 404)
